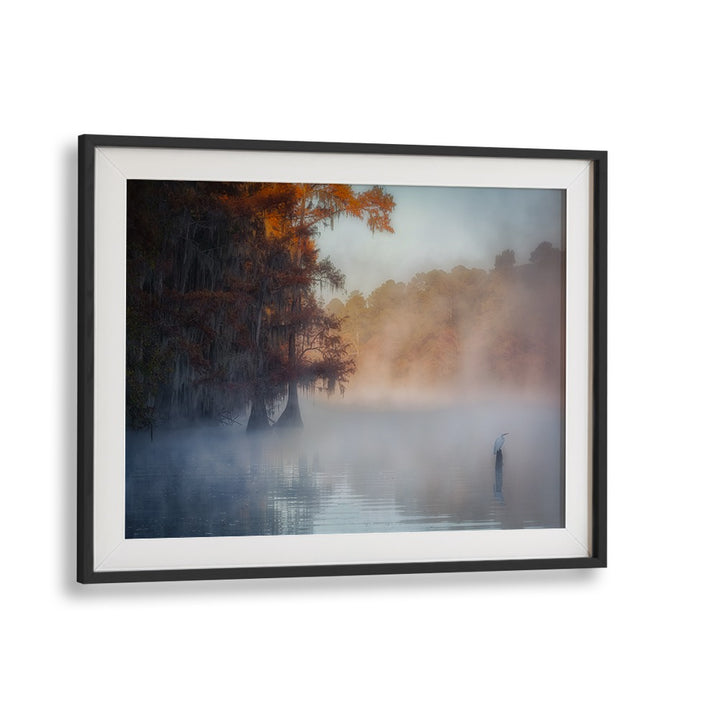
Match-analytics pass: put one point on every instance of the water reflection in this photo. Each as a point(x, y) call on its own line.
point(498, 485)
point(377, 472)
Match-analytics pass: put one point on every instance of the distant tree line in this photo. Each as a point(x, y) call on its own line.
point(222, 316)
point(468, 329)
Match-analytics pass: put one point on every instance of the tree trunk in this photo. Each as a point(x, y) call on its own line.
point(291, 417)
point(258, 420)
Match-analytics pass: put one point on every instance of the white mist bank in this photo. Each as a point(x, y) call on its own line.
point(351, 469)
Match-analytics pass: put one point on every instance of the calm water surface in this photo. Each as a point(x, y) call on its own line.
point(351, 471)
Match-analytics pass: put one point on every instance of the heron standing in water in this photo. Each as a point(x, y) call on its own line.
point(499, 442)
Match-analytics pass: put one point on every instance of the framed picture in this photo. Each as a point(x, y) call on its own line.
point(304, 359)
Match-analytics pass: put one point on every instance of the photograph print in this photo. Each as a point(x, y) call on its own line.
point(330, 358)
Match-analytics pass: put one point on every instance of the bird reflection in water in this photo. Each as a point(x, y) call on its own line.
point(498, 485)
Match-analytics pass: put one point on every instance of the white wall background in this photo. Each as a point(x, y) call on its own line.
point(638, 639)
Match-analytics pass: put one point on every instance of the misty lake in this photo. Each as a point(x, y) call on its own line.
point(351, 470)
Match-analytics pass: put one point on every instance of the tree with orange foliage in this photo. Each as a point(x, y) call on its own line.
point(221, 310)
point(313, 350)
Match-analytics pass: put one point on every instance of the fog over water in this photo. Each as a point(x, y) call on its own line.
point(352, 470)
point(454, 336)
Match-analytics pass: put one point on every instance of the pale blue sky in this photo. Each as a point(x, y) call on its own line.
point(441, 227)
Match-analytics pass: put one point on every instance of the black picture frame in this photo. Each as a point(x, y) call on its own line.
point(91, 287)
